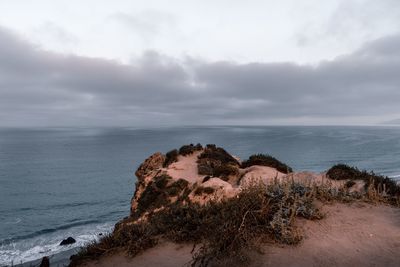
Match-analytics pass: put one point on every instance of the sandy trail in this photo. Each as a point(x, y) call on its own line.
point(350, 235)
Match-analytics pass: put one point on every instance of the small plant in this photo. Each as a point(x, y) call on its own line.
point(189, 149)
point(224, 171)
point(266, 160)
point(171, 157)
point(177, 187)
point(206, 190)
point(162, 180)
point(157, 193)
point(206, 178)
point(378, 182)
point(215, 161)
point(349, 184)
point(218, 153)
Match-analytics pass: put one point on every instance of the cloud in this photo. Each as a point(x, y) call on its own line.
point(351, 22)
point(146, 24)
point(41, 88)
point(54, 33)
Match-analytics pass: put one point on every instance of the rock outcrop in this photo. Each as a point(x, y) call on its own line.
point(68, 241)
point(203, 174)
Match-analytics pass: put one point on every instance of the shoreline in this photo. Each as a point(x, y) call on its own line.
point(59, 259)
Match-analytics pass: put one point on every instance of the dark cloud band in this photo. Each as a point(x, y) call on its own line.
point(41, 88)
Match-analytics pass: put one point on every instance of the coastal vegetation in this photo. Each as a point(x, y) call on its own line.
point(215, 161)
point(226, 230)
point(171, 157)
point(223, 230)
point(189, 149)
point(266, 160)
point(384, 186)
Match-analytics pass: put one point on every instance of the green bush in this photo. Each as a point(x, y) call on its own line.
point(266, 160)
point(215, 161)
point(218, 154)
point(379, 182)
point(157, 193)
point(171, 157)
point(189, 149)
point(206, 190)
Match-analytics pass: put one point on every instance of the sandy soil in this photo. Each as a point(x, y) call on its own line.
point(266, 174)
point(186, 168)
point(355, 235)
point(350, 235)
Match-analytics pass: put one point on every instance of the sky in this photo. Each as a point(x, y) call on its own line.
point(210, 62)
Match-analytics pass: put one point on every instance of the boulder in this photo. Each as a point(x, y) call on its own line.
point(67, 241)
point(45, 262)
point(154, 162)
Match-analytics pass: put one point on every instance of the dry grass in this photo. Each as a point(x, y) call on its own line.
point(377, 186)
point(222, 229)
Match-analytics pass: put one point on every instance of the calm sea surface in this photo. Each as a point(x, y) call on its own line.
point(56, 183)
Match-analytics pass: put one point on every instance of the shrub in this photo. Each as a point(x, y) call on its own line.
point(378, 182)
point(152, 197)
point(349, 184)
point(189, 149)
point(158, 191)
point(206, 190)
point(171, 157)
point(215, 161)
point(226, 170)
point(205, 179)
point(177, 187)
point(162, 180)
point(225, 229)
point(218, 154)
point(267, 160)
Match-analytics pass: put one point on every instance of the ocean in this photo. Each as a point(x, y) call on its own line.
point(78, 182)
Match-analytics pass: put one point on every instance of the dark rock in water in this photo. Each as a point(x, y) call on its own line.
point(45, 262)
point(100, 234)
point(67, 241)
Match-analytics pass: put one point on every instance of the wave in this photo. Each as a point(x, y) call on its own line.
point(58, 206)
point(46, 231)
point(47, 243)
point(396, 178)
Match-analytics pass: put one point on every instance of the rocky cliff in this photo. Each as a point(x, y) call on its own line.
point(198, 175)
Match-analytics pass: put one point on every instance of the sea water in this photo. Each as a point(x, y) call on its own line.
point(61, 182)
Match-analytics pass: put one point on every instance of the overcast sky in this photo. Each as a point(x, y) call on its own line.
point(217, 62)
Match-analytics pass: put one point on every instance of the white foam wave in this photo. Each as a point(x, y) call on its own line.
point(47, 245)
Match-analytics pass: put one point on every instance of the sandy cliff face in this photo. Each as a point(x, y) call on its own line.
point(199, 176)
